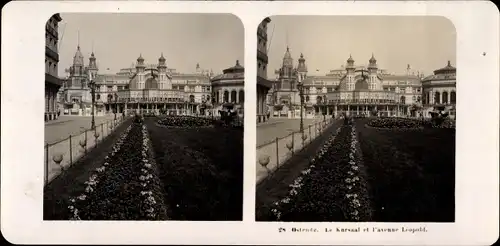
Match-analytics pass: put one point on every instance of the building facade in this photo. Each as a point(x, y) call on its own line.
point(52, 81)
point(439, 90)
point(350, 90)
point(263, 84)
point(143, 88)
point(229, 89)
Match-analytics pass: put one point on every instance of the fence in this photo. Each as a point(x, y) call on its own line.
point(62, 154)
point(274, 153)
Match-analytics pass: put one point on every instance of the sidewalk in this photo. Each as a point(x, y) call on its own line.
point(70, 125)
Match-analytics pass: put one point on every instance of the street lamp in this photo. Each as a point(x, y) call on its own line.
point(116, 108)
point(92, 92)
point(300, 86)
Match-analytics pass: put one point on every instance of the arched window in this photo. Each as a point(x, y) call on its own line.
point(403, 99)
point(208, 98)
point(437, 96)
point(226, 96)
point(419, 99)
point(98, 96)
point(217, 100)
point(191, 98)
point(233, 96)
point(445, 97)
point(319, 99)
point(241, 96)
point(453, 97)
point(307, 98)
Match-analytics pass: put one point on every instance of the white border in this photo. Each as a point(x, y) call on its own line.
point(477, 25)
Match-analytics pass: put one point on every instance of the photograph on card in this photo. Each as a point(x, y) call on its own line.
point(143, 117)
point(356, 119)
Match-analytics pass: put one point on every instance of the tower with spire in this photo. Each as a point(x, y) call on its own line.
point(286, 76)
point(162, 73)
point(302, 68)
point(92, 68)
point(373, 72)
point(350, 68)
point(77, 73)
point(140, 68)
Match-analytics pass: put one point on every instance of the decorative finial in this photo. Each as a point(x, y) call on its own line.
point(449, 63)
point(237, 62)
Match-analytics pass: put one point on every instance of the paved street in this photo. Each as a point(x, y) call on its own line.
point(70, 125)
point(279, 127)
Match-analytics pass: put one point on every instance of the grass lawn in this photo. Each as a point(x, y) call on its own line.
point(411, 173)
point(201, 170)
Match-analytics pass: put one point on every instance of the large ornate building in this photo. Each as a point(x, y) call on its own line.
point(143, 88)
point(439, 89)
point(263, 84)
point(352, 89)
point(52, 81)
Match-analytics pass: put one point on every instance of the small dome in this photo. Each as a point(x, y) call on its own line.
point(140, 59)
point(446, 70)
point(162, 59)
point(234, 69)
point(151, 83)
point(350, 60)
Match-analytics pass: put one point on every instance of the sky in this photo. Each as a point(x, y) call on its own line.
point(215, 41)
point(426, 43)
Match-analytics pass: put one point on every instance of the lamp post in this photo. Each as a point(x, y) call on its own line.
point(116, 107)
point(92, 92)
point(300, 86)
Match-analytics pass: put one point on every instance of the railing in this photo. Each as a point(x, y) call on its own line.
point(61, 155)
point(271, 155)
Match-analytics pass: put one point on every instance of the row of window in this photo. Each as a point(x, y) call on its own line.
point(51, 67)
point(233, 97)
point(441, 98)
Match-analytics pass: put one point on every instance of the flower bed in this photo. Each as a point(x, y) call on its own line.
point(395, 123)
point(186, 122)
point(332, 188)
point(405, 123)
point(125, 187)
